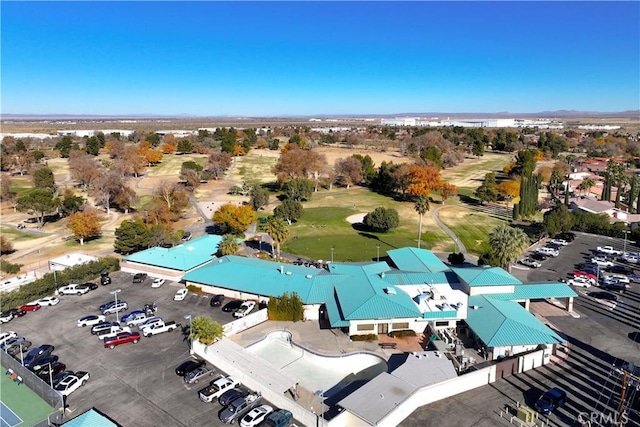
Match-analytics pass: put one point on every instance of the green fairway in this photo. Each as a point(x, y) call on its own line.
point(324, 225)
point(17, 235)
point(256, 169)
point(471, 227)
point(172, 163)
point(23, 401)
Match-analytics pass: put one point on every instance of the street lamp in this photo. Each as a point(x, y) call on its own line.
point(320, 416)
point(188, 317)
point(624, 249)
point(115, 295)
point(378, 252)
point(332, 249)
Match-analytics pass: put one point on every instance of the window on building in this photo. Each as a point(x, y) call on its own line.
point(404, 325)
point(442, 324)
point(366, 327)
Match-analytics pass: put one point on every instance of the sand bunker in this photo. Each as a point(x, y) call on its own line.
point(356, 219)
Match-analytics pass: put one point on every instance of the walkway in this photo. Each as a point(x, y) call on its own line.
point(434, 215)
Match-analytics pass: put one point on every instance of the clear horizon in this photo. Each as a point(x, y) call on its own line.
point(256, 59)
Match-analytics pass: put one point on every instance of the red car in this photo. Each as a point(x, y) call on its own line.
point(30, 306)
point(584, 274)
point(122, 338)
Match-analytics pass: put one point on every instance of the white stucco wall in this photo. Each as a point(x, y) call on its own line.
point(416, 325)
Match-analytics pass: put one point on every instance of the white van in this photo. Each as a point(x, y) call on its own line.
point(548, 251)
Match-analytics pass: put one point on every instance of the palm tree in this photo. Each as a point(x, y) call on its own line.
point(228, 245)
point(205, 330)
point(278, 230)
point(507, 243)
point(586, 185)
point(422, 207)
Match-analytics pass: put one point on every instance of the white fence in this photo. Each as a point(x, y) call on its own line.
point(246, 322)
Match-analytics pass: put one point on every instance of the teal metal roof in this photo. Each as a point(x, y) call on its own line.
point(333, 311)
point(91, 418)
point(267, 278)
point(183, 257)
point(367, 296)
point(538, 291)
point(397, 277)
point(485, 276)
point(505, 323)
point(451, 314)
point(414, 259)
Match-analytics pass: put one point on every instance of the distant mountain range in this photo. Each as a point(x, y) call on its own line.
point(547, 114)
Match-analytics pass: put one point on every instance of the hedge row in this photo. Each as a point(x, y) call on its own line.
point(9, 267)
point(49, 283)
point(366, 337)
point(288, 308)
point(403, 333)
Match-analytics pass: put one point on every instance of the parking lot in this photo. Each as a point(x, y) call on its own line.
point(602, 336)
point(135, 384)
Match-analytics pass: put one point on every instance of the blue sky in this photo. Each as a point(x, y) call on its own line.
point(312, 58)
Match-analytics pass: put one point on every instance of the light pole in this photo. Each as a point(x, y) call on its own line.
point(332, 249)
point(115, 295)
point(188, 317)
point(624, 248)
point(378, 252)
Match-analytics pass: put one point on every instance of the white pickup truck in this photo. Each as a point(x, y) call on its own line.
point(115, 330)
point(158, 328)
point(72, 289)
point(608, 250)
point(216, 388)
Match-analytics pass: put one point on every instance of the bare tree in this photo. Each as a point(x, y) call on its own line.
point(348, 171)
point(217, 163)
point(106, 186)
point(83, 168)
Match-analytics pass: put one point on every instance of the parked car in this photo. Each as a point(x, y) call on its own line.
point(551, 400)
point(42, 361)
point(157, 283)
point(559, 242)
point(115, 330)
point(185, 367)
point(579, 273)
point(134, 317)
point(568, 236)
point(580, 281)
point(216, 300)
point(602, 261)
point(89, 285)
point(255, 416)
point(231, 395)
point(186, 236)
point(35, 353)
point(239, 407)
point(31, 306)
point(47, 371)
point(122, 338)
point(72, 289)
point(139, 277)
point(71, 383)
point(630, 257)
point(48, 301)
point(6, 317)
point(530, 263)
point(181, 294)
point(104, 278)
point(613, 285)
point(60, 376)
point(279, 418)
point(17, 345)
point(608, 250)
point(115, 308)
point(106, 305)
point(635, 278)
point(548, 251)
point(619, 269)
point(244, 309)
point(538, 256)
point(17, 312)
point(197, 374)
point(91, 320)
point(216, 388)
point(603, 295)
point(155, 320)
point(6, 336)
point(98, 328)
point(232, 306)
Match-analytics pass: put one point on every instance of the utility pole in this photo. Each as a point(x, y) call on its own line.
point(623, 393)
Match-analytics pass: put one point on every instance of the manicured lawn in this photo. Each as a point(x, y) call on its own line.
point(17, 235)
point(256, 168)
point(172, 163)
point(470, 226)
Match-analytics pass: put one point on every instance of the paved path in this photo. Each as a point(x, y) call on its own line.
point(434, 215)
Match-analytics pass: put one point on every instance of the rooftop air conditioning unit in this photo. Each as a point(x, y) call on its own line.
point(308, 276)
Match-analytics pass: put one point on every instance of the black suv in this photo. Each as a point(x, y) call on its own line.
point(216, 300)
point(139, 277)
point(619, 269)
point(104, 278)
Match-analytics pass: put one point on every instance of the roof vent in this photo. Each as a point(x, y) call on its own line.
point(308, 276)
point(382, 275)
point(390, 291)
point(438, 354)
point(281, 268)
point(288, 273)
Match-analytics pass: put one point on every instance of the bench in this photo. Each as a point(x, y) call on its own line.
point(391, 345)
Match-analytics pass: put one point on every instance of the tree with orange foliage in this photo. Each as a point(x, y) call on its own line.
point(448, 190)
point(509, 189)
point(168, 148)
point(84, 224)
point(423, 179)
point(238, 150)
point(153, 156)
point(234, 219)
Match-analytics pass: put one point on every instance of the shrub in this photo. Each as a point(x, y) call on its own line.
point(51, 281)
point(289, 308)
point(9, 267)
point(194, 288)
point(456, 258)
point(403, 333)
point(366, 337)
point(382, 219)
